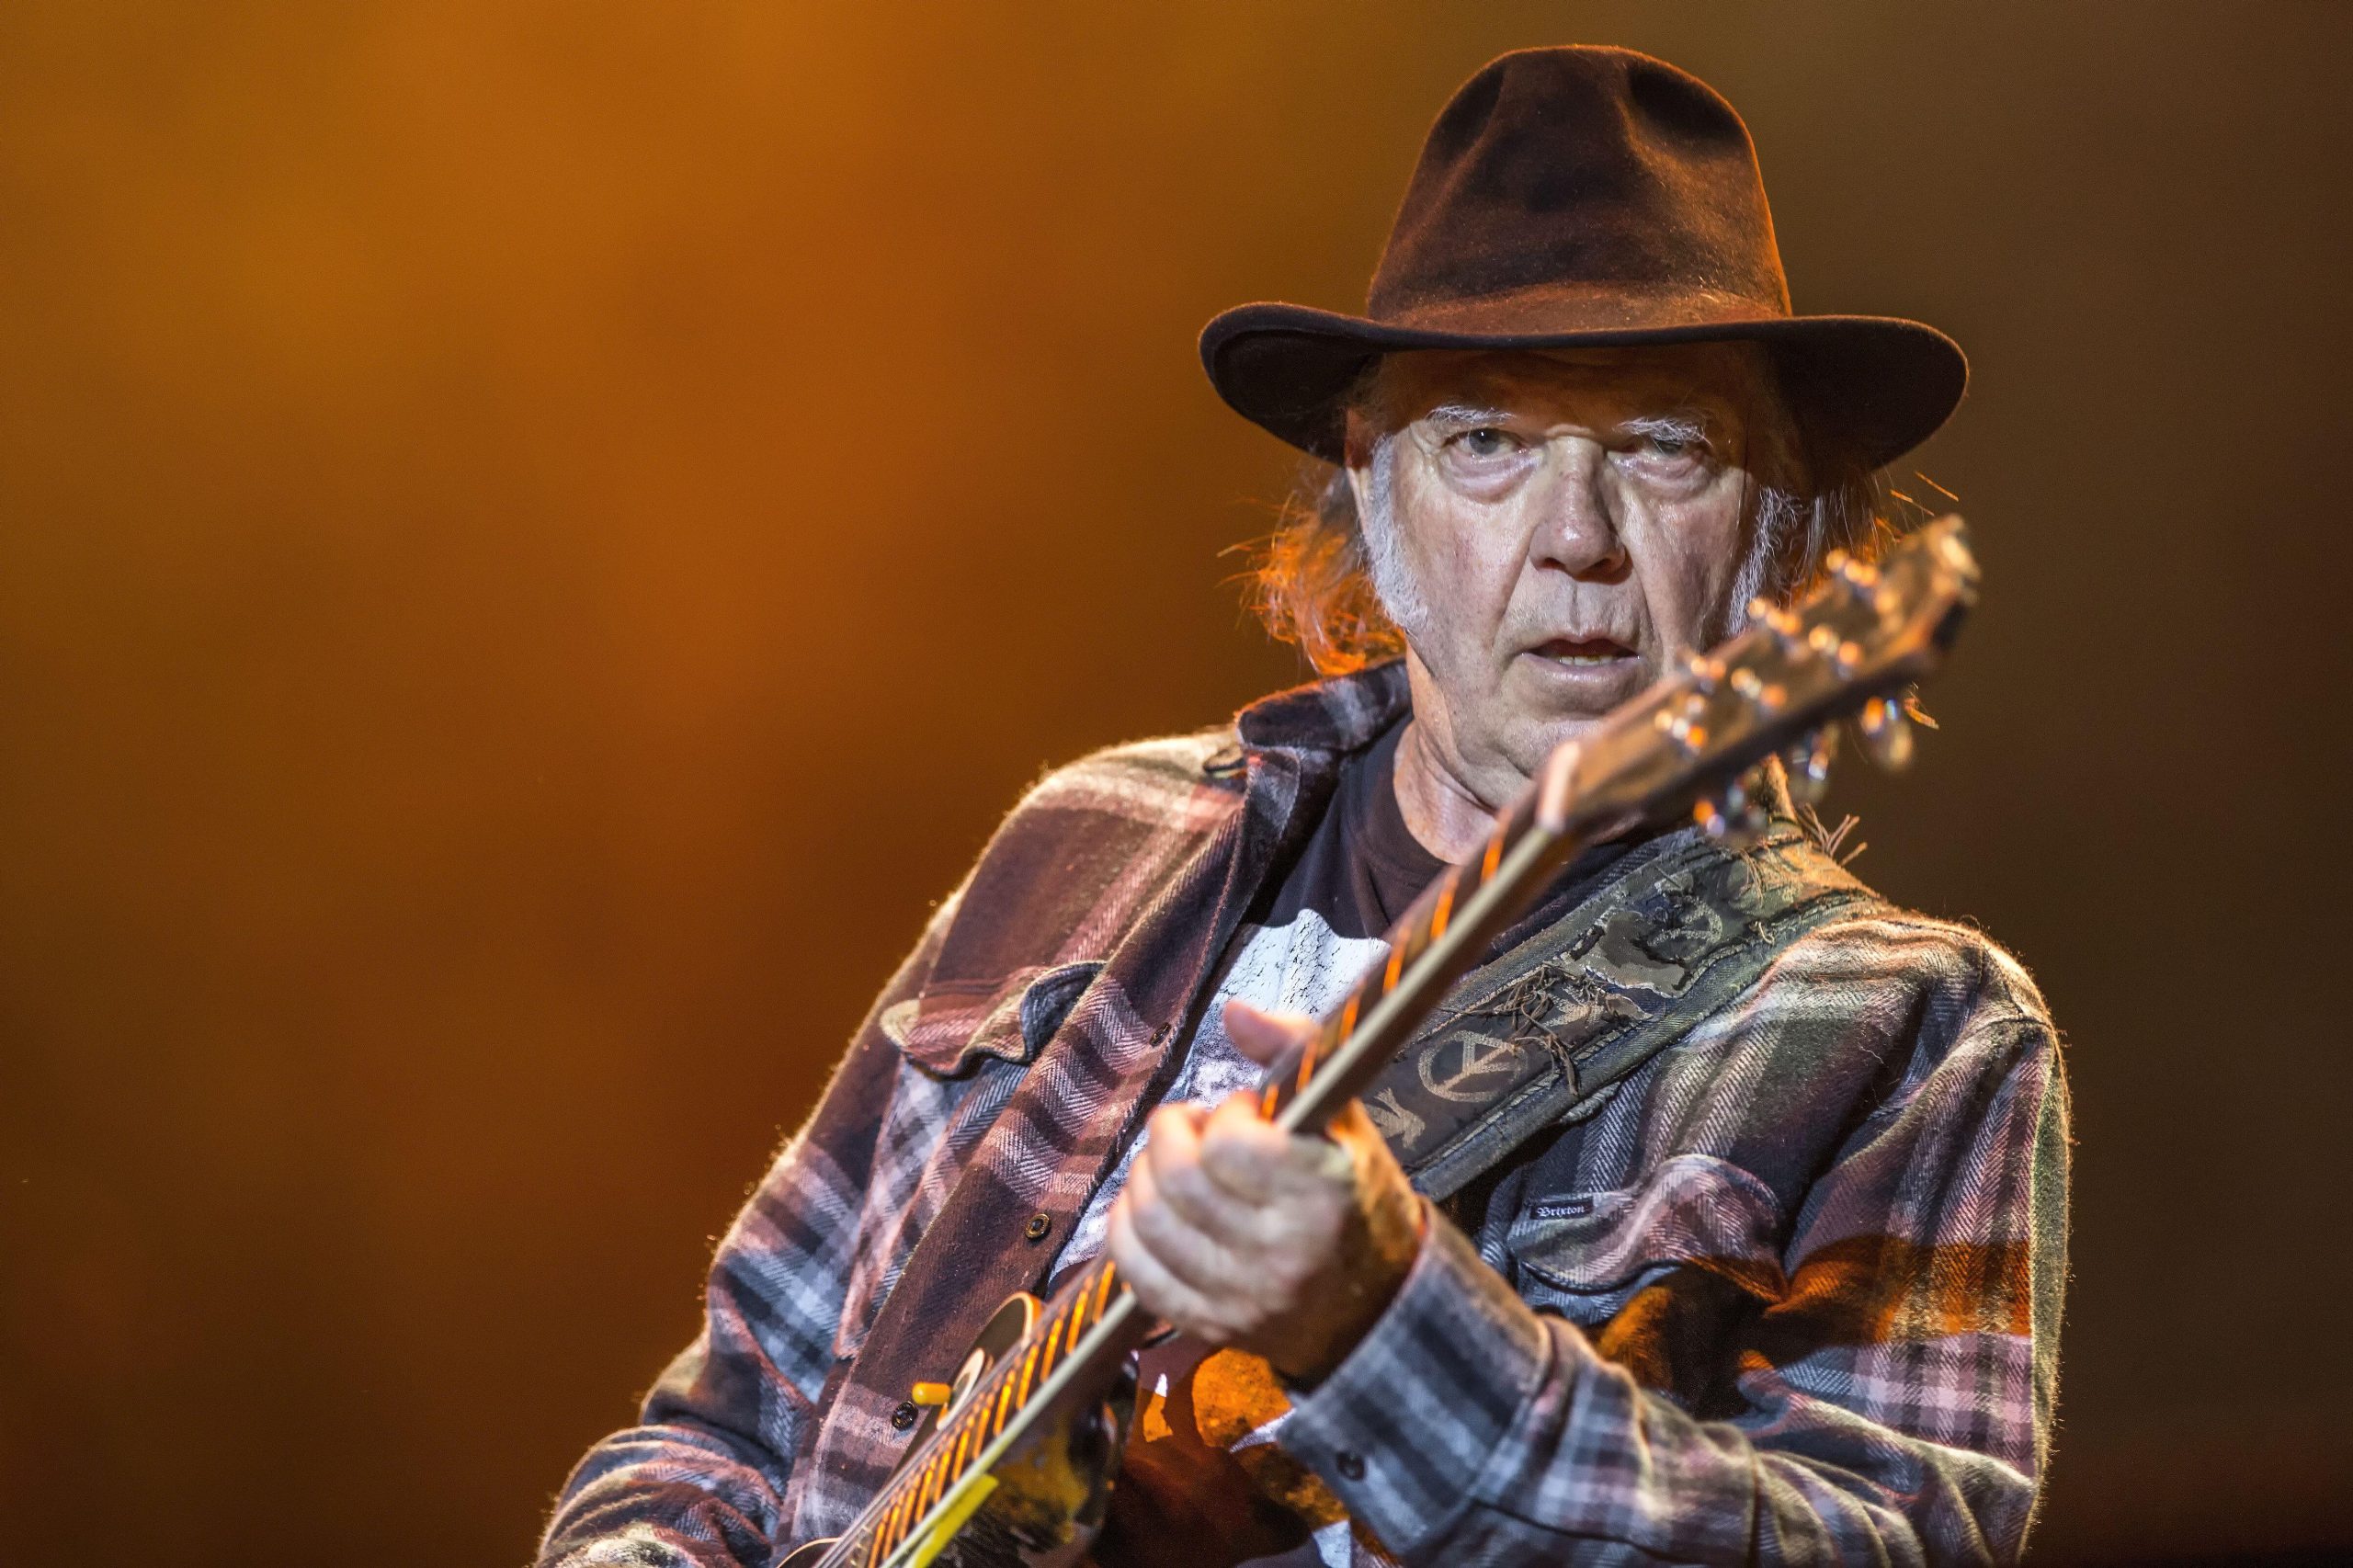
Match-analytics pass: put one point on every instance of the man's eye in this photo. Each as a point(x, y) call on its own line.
point(1672, 445)
point(1485, 442)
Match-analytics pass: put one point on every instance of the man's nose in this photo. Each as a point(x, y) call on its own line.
point(1578, 530)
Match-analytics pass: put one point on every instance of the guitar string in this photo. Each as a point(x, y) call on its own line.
point(1424, 922)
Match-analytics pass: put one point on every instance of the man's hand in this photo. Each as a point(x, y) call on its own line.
point(1243, 1235)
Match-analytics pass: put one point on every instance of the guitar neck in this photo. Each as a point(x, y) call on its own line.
point(1430, 947)
point(1084, 1334)
point(1852, 644)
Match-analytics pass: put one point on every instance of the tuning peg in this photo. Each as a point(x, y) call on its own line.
point(1734, 819)
point(1784, 623)
point(1858, 574)
point(1810, 767)
point(1845, 652)
point(1887, 733)
point(1767, 696)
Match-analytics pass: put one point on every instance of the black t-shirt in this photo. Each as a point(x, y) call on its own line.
point(1363, 866)
point(1317, 935)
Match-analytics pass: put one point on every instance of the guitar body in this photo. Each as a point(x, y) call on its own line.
point(1053, 1489)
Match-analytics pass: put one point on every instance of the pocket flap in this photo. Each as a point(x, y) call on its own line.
point(1693, 1209)
point(946, 1028)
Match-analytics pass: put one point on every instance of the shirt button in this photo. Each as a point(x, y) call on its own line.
point(1039, 1223)
point(1350, 1464)
point(904, 1416)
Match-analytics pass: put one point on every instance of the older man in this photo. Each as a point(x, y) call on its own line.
point(1783, 1287)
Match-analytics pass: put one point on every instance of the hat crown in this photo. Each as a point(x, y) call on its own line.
point(1612, 179)
point(1584, 198)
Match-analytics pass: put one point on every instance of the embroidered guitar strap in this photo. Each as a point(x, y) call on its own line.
point(1544, 1034)
point(1539, 1037)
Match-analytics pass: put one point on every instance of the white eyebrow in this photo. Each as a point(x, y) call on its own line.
point(1465, 416)
point(1690, 428)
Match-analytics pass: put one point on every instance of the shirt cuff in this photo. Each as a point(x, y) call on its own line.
point(1403, 1428)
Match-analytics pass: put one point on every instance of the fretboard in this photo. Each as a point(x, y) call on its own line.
point(1074, 1351)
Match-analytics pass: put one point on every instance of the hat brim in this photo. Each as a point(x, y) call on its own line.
point(1878, 385)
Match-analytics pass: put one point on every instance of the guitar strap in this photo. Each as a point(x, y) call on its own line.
point(1537, 1038)
point(1542, 1035)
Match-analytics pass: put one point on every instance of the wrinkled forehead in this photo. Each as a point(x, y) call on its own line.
point(1726, 384)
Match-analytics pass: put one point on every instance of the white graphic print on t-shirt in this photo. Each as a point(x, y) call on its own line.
point(1303, 967)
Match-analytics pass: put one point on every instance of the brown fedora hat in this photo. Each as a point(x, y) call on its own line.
point(1576, 197)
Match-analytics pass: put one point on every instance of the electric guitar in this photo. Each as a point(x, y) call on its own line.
point(1015, 1465)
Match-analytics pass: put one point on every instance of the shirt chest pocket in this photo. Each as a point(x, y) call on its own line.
point(953, 1024)
point(1586, 1254)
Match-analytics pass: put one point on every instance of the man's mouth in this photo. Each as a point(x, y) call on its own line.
point(1583, 651)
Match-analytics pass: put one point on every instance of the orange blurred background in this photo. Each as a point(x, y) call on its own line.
point(536, 538)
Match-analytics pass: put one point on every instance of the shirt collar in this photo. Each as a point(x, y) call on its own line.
point(1342, 713)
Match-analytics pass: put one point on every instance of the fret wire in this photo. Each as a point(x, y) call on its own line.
point(1332, 1042)
point(1117, 1314)
point(922, 1490)
point(899, 1495)
point(1325, 1045)
point(1003, 1404)
point(1010, 1392)
point(1053, 1340)
point(908, 1503)
point(1531, 854)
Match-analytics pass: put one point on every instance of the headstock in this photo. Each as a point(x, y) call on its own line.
point(1852, 647)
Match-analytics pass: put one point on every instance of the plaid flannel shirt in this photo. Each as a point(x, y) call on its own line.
point(1790, 1295)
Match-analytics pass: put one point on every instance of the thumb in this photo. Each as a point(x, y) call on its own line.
point(1262, 1037)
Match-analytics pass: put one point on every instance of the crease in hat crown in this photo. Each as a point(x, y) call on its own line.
point(1594, 196)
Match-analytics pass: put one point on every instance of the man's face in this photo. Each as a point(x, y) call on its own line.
point(1562, 526)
